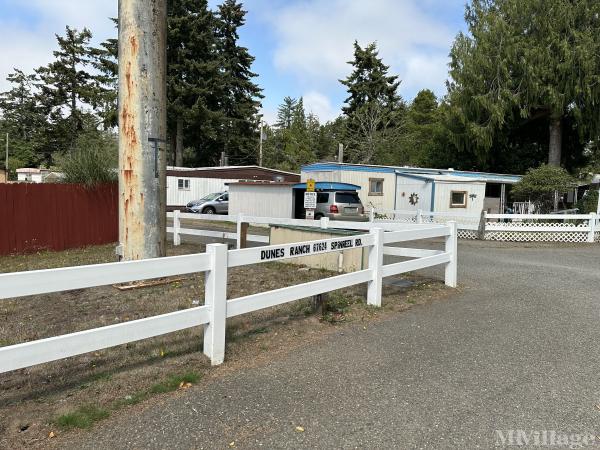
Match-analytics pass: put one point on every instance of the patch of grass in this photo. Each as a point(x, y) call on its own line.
point(83, 417)
point(131, 400)
point(173, 383)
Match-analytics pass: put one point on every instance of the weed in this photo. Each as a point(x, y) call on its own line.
point(83, 417)
point(173, 383)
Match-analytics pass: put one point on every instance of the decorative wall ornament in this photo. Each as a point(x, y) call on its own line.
point(413, 199)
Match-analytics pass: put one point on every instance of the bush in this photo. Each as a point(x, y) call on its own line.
point(589, 203)
point(539, 185)
point(93, 161)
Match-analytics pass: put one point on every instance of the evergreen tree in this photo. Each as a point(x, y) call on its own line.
point(421, 130)
point(192, 80)
point(285, 112)
point(67, 85)
point(22, 119)
point(369, 81)
point(523, 62)
point(239, 95)
point(105, 60)
point(374, 109)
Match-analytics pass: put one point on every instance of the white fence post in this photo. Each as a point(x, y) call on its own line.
point(375, 264)
point(592, 228)
point(372, 215)
point(324, 223)
point(238, 233)
point(452, 248)
point(419, 216)
point(176, 227)
point(215, 296)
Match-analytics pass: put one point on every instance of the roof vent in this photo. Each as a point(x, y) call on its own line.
point(278, 179)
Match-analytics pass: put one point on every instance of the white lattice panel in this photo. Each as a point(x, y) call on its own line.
point(524, 225)
point(467, 234)
point(536, 236)
point(597, 236)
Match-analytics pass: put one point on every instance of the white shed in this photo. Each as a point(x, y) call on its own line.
point(262, 199)
point(187, 184)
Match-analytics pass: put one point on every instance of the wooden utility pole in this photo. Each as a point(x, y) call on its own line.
point(142, 128)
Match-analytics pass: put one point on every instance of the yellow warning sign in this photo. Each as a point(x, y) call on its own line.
point(310, 185)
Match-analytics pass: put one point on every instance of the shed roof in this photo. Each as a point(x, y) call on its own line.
point(481, 176)
point(443, 178)
point(330, 186)
point(233, 173)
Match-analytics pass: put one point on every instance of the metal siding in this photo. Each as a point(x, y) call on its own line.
point(322, 175)
point(408, 186)
point(474, 206)
point(199, 187)
point(385, 201)
point(261, 201)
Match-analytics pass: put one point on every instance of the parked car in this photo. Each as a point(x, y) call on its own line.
point(340, 205)
point(217, 203)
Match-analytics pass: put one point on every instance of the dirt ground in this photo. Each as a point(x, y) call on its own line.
point(35, 401)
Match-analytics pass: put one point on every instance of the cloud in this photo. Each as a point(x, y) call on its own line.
point(32, 26)
point(320, 105)
point(315, 40)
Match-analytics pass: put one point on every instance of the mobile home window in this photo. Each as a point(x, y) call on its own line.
point(458, 199)
point(375, 186)
point(183, 184)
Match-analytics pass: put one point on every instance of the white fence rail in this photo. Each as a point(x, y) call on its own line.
point(215, 264)
point(240, 219)
point(505, 227)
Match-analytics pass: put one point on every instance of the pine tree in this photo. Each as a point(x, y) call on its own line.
point(22, 119)
point(285, 112)
point(66, 84)
point(192, 80)
point(369, 81)
point(105, 60)
point(374, 109)
point(239, 95)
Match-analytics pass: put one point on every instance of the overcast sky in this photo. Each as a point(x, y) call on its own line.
point(301, 46)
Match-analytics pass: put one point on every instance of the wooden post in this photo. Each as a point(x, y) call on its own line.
point(482, 222)
point(244, 234)
point(142, 128)
point(176, 228)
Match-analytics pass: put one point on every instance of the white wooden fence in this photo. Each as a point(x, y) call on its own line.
point(506, 227)
point(216, 309)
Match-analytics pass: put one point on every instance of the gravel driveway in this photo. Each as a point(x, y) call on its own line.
point(515, 348)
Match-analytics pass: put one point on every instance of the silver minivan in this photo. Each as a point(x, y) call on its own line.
point(340, 205)
point(217, 203)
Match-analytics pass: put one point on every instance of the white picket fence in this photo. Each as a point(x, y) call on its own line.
point(505, 227)
point(217, 309)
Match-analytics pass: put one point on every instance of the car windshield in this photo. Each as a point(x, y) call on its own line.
point(346, 197)
point(210, 197)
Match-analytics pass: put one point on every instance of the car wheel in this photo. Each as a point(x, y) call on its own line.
point(319, 216)
point(208, 210)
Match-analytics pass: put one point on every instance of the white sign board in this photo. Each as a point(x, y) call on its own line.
point(310, 200)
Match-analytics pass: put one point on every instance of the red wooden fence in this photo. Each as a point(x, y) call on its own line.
point(56, 216)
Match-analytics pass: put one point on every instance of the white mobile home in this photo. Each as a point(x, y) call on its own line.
point(411, 188)
point(186, 184)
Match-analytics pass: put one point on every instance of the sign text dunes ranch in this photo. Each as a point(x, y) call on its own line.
point(309, 249)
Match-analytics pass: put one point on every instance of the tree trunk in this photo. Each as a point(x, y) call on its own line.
point(554, 153)
point(179, 143)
